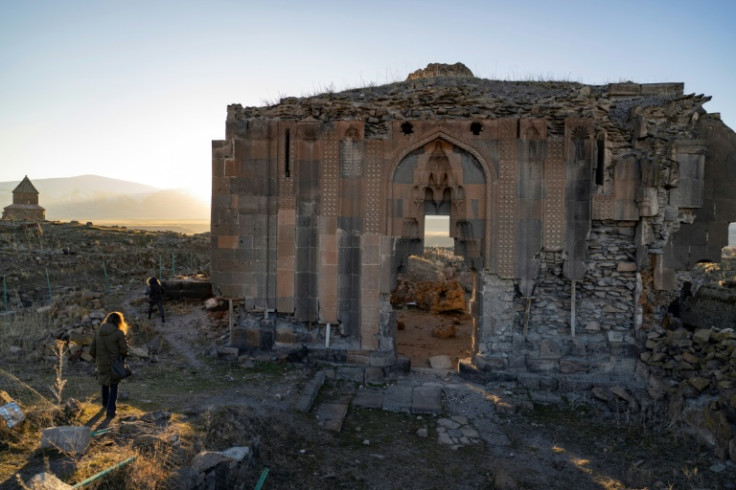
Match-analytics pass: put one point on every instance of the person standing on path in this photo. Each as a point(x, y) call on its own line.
point(155, 293)
point(109, 343)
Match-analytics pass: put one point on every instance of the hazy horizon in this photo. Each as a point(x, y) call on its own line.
point(137, 91)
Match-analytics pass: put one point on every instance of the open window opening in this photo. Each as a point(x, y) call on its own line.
point(437, 233)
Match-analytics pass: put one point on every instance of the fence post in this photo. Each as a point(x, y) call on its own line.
point(173, 264)
point(5, 295)
point(107, 282)
point(160, 267)
point(48, 283)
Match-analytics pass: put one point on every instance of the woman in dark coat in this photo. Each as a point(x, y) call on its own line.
point(109, 343)
point(155, 292)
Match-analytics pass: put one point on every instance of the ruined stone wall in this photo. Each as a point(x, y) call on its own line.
point(550, 186)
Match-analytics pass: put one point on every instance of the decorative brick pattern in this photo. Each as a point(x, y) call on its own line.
point(603, 207)
point(373, 188)
point(506, 241)
point(554, 203)
point(330, 166)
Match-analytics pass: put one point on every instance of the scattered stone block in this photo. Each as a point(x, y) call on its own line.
point(331, 415)
point(374, 376)
point(228, 352)
point(699, 383)
point(46, 481)
point(206, 460)
point(12, 414)
point(440, 362)
point(368, 398)
point(67, 439)
point(238, 453)
point(309, 394)
point(427, 399)
point(444, 331)
point(702, 335)
point(398, 399)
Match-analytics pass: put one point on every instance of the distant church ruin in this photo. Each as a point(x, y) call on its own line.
point(25, 203)
point(577, 207)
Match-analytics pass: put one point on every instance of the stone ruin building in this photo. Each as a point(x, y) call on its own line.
point(577, 207)
point(25, 203)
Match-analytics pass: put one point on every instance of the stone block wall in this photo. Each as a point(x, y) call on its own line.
point(569, 202)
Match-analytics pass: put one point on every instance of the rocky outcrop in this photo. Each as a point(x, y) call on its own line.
point(441, 70)
point(440, 297)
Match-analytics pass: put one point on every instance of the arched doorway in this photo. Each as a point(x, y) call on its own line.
point(434, 288)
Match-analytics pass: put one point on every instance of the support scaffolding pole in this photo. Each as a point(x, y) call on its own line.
point(102, 473)
point(572, 308)
point(230, 318)
point(48, 283)
point(5, 296)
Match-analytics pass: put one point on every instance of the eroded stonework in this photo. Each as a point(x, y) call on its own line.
point(575, 205)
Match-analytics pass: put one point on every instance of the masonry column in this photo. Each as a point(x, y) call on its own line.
point(350, 229)
point(308, 161)
point(328, 243)
point(286, 220)
point(373, 245)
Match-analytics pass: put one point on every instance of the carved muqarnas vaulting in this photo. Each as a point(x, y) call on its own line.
point(440, 178)
point(439, 190)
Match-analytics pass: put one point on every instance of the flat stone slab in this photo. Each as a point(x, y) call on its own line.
point(47, 481)
point(368, 399)
point(426, 399)
point(304, 404)
point(331, 415)
point(67, 439)
point(440, 362)
point(398, 398)
point(206, 460)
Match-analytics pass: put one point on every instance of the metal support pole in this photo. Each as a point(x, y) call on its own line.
point(107, 281)
point(230, 318)
point(527, 311)
point(104, 472)
point(48, 283)
point(5, 295)
point(572, 309)
point(262, 479)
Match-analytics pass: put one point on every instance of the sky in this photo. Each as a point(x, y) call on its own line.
point(137, 90)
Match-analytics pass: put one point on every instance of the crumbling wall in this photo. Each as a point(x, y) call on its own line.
point(572, 219)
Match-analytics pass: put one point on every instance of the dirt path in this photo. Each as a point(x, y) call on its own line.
point(181, 333)
point(415, 339)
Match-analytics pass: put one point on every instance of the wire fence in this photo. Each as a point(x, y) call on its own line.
point(53, 273)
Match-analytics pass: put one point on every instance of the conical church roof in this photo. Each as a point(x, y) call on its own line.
point(25, 186)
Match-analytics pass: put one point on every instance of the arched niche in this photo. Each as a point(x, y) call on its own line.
point(441, 176)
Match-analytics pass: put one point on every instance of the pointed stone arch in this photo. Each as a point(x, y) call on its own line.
point(490, 175)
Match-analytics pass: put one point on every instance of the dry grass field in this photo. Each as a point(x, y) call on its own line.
point(183, 399)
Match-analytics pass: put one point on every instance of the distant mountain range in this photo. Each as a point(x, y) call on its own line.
point(90, 197)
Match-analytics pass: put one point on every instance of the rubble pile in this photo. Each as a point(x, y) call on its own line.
point(695, 372)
